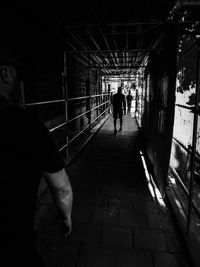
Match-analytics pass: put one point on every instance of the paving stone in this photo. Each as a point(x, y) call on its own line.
point(61, 255)
point(161, 221)
point(110, 209)
point(132, 257)
point(168, 260)
point(116, 236)
point(85, 233)
point(145, 206)
point(127, 217)
point(106, 215)
point(95, 256)
point(173, 242)
point(149, 239)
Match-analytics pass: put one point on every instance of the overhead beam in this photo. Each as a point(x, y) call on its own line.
point(79, 42)
point(118, 24)
point(97, 46)
point(108, 46)
point(113, 51)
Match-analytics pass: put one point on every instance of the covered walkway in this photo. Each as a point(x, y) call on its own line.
point(116, 222)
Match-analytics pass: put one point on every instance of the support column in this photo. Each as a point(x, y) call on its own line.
point(66, 103)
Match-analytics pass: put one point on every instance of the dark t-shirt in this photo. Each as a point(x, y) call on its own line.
point(118, 102)
point(26, 151)
point(129, 98)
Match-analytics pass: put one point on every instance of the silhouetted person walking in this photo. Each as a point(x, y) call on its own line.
point(27, 152)
point(129, 99)
point(119, 105)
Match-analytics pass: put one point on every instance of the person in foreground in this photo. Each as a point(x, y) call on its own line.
point(27, 153)
point(119, 105)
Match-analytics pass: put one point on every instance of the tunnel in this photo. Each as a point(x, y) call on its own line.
point(136, 190)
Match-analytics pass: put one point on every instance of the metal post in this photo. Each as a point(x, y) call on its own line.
point(66, 103)
point(102, 98)
point(194, 139)
point(90, 113)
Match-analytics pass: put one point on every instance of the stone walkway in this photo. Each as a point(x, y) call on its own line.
point(115, 219)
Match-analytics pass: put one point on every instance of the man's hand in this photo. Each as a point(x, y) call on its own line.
point(66, 227)
point(61, 190)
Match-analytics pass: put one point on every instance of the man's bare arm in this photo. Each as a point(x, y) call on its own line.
point(61, 190)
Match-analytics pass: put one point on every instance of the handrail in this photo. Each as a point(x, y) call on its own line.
point(183, 106)
point(78, 116)
point(84, 97)
point(100, 105)
point(100, 115)
point(70, 141)
point(100, 95)
point(78, 98)
point(188, 150)
point(45, 102)
point(61, 100)
point(57, 127)
point(185, 190)
point(82, 114)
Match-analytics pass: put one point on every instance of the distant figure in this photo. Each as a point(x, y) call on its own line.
point(27, 153)
point(129, 99)
point(119, 104)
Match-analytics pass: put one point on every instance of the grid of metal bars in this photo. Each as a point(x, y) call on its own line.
point(190, 148)
point(101, 105)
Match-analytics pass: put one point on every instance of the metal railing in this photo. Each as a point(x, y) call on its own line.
point(105, 104)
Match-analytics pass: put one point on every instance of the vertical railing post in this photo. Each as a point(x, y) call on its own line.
point(102, 98)
point(89, 99)
point(194, 139)
point(66, 103)
point(100, 90)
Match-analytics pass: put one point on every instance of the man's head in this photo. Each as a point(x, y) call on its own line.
point(119, 90)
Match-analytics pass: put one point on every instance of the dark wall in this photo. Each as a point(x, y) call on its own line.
point(159, 109)
point(37, 43)
point(40, 53)
point(81, 81)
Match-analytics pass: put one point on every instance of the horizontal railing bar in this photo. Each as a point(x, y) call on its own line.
point(87, 112)
point(57, 127)
point(180, 181)
point(182, 106)
point(45, 102)
point(78, 98)
point(63, 147)
point(197, 158)
point(84, 97)
point(82, 114)
point(186, 191)
point(182, 205)
point(100, 95)
point(70, 141)
point(100, 105)
point(100, 115)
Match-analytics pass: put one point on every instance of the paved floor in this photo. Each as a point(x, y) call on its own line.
point(115, 220)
